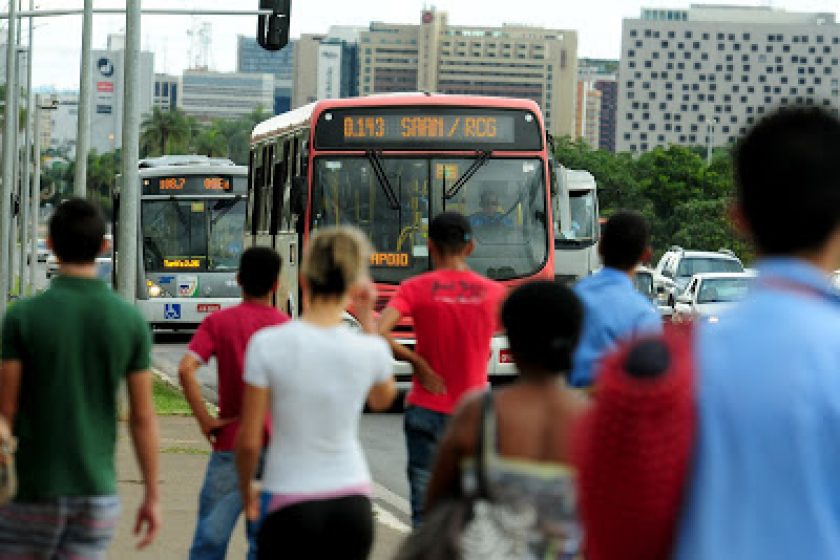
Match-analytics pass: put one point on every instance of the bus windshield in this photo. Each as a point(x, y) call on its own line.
point(195, 235)
point(583, 226)
point(504, 201)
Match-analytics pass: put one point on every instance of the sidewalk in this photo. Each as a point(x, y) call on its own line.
point(183, 460)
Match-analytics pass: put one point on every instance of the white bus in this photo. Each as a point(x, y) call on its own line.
point(192, 227)
point(576, 224)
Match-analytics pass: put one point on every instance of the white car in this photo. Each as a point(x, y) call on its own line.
point(835, 279)
point(42, 252)
point(708, 295)
point(677, 266)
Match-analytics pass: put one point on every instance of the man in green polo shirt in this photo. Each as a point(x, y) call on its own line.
point(64, 353)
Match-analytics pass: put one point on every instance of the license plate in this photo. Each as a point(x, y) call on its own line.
point(207, 307)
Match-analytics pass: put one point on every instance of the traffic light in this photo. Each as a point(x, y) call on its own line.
point(273, 30)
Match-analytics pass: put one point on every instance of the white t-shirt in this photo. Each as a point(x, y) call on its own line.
point(319, 379)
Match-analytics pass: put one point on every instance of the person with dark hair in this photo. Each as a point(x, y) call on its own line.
point(527, 426)
point(729, 447)
point(614, 310)
point(65, 352)
point(225, 335)
point(455, 314)
point(490, 213)
point(315, 376)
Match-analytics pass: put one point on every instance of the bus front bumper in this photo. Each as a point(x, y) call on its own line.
point(500, 366)
point(180, 313)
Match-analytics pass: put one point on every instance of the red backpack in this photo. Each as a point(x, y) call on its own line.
point(633, 449)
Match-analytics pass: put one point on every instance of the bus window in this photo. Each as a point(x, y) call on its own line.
point(278, 186)
point(254, 192)
point(262, 206)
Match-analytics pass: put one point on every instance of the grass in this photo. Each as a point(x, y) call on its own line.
point(169, 401)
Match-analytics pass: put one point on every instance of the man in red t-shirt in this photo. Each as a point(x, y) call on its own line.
point(225, 335)
point(455, 313)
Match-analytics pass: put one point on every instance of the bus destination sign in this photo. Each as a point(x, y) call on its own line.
point(427, 128)
point(187, 184)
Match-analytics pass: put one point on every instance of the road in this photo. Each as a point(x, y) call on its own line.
point(381, 434)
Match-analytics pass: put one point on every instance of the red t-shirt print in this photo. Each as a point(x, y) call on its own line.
point(225, 334)
point(455, 314)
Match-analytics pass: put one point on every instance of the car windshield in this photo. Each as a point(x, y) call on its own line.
point(194, 235)
point(689, 266)
point(719, 290)
point(504, 201)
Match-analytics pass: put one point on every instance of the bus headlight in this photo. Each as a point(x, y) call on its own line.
point(154, 289)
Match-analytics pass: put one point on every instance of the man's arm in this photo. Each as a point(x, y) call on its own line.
point(430, 380)
point(144, 434)
point(10, 372)
point(249, 444)
point(192, 393)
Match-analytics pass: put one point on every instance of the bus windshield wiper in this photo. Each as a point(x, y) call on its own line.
point(375, 160)
point(481, 158)
point(222, 208)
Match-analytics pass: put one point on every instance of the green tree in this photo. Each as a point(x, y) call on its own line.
point(165, 132)
point(211, 142)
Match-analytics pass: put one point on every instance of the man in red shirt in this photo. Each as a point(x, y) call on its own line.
point(225, 335)
point(455, 313)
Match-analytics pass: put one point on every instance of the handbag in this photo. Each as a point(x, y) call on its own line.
point(475, 526)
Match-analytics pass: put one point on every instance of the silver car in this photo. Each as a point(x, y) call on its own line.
point(709, 295)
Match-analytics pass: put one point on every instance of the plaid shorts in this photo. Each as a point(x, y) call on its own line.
point(80, 528)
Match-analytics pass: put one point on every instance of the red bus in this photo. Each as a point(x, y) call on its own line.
point(387, 164)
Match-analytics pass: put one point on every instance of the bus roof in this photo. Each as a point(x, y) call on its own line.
point(301, 117)
point(180, 160)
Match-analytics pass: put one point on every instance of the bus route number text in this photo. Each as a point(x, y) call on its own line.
point(216, 184)
point(172, 183)
point(364, 127)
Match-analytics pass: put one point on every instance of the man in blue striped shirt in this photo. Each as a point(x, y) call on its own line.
point(613, 310)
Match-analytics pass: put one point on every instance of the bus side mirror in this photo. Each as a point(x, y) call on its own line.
point(299, 194)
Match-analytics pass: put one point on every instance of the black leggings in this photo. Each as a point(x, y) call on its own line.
point(338, 528)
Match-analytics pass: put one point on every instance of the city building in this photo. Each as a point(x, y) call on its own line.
point(59, 126)
point(512, 60)
point(609, 112)
point(337, 67)
point(702, 76)
point(588, 113)
point(165, 96)
point(305, 86)
point(252, 58)
point(107, 111)
point(207, 95)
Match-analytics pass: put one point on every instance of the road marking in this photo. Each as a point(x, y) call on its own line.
point(394, 500)
point(388, 519)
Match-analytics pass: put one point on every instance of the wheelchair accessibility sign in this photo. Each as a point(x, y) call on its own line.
point(171, 311)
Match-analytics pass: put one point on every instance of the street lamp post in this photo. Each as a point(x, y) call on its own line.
point(35, 195)
point(27, 176)
point(9, 147)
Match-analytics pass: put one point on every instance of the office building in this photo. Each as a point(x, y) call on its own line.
point(107, 111)
point(707, 73)
point(59, 126)
point(227, 95)
point(337, 67)
point(515, 61)
point(588, 113)
point(252, 58)
point(305, 86)
point(165, 96)
point(609, 112)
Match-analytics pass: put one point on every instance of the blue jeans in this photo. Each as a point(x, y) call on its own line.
point(219, 506)
point(423, 430)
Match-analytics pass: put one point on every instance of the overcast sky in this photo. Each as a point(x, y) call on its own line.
point(598, 22)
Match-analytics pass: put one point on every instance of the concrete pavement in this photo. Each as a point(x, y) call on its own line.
point(183, 460)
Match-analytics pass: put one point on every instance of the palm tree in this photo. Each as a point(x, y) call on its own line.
point(211, 142)
point(165, 132)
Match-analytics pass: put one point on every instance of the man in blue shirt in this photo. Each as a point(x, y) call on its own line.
point(490, 214)
point(613, 310)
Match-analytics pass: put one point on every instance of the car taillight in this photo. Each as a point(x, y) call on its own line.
point(505, 356)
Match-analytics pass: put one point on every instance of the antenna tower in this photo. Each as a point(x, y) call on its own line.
point(201, 43)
